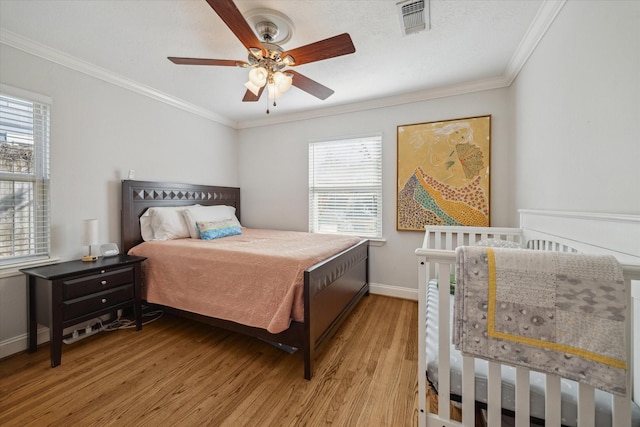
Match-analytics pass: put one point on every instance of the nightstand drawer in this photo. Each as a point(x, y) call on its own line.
point(96, 302)
point(86, 285)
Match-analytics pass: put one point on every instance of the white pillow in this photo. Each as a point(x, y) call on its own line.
point(168, 223)
point(207, 214)
point(145, 226)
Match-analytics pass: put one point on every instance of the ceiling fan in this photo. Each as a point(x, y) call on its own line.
point(267, 61)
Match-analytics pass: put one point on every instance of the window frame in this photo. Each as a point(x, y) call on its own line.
point(39, 229)
point(374, 171)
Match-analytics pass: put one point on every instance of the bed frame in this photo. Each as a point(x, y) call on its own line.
point(617, 235)
point(332, 288)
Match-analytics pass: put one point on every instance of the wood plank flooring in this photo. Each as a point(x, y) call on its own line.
point(179, 372)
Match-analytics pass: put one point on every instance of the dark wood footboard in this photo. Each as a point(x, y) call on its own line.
point(332, 288)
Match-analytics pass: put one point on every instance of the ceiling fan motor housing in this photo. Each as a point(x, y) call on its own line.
point(268, 31)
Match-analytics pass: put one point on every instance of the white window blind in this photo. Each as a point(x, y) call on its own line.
point(24, 180)
point(345, 186)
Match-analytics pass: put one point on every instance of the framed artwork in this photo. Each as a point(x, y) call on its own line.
point(443, 173)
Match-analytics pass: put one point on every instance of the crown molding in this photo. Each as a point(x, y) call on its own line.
point(538, 28)
point(407, 98)
point(34, 48)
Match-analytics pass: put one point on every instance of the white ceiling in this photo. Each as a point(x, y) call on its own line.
point(472, 44)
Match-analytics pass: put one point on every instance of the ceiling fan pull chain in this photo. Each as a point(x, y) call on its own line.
point(267, 102)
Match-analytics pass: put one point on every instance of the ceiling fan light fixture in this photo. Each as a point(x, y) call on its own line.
point(258, 76)
point(282, 81)
point(253, 88)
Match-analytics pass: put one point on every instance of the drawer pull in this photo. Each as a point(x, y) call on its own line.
point(101, 271)
point(104, 282)
point(104, 300)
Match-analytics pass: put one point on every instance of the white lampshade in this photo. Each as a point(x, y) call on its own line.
point(90, 235)
point(258, 76)
point(253, 88)
point(282, 81)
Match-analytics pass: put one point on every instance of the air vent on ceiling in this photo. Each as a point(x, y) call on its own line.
point(414, 16)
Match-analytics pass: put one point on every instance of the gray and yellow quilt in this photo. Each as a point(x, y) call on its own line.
point(554, 312)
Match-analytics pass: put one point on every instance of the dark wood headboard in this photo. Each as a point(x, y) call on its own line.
point(138, 196)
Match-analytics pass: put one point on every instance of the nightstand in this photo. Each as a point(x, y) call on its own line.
point(65, 294)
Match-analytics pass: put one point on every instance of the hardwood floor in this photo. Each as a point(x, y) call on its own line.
point(178, 372)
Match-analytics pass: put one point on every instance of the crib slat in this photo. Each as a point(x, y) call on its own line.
point(621, 406)
point(522, 397)
point(494, 394)
point(468, 391)
point(444, 334)
point(449, 240)
point(621, 411)
point(422, 344)
point(552, 400)
point(586, 406)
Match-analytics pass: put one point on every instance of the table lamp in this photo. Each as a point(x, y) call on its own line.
point(90, 237)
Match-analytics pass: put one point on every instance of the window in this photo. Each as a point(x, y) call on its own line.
point(24, 180)
point(345, 186)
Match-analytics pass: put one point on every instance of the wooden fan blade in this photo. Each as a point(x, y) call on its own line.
point(310, 86)
point(230, 14)
point(250, 97)
point(324, 49)
point(201, 61)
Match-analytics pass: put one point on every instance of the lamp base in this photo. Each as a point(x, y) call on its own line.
point(89, 258)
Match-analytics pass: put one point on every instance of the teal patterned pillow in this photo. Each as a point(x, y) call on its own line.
point(210, 230)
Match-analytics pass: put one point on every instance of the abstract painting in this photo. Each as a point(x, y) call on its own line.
point(443, 173)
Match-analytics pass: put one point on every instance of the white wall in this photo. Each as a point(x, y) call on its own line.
point(98, 132)
point(577, 116)
point(273, 165)
point(577, 112)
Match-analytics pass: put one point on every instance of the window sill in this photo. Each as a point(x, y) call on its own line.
point(13, 269)
point(377, 242)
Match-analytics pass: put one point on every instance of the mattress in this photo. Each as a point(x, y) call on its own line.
point(254, 279)
point(569, 389)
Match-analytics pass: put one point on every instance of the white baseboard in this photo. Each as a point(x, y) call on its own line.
point(20, 343)
point(393, 291)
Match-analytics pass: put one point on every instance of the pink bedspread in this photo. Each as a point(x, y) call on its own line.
point(255, 279)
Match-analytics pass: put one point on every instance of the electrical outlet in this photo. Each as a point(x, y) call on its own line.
point(132, 174)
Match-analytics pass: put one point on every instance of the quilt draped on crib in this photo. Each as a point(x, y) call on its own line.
point(554, 312)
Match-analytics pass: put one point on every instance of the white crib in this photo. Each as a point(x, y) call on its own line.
point(618, 235)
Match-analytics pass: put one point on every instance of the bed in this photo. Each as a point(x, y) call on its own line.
point(331, 287)
point(525, 397)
